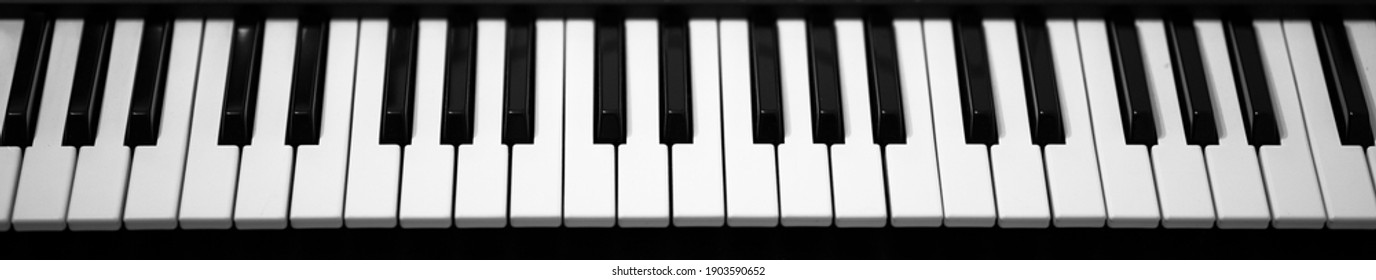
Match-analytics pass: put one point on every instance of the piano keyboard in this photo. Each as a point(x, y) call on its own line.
point(615, 120)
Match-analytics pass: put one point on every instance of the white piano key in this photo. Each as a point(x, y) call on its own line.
point(914, 184)
point(1292, 184)
point(589, 169)
point(1129, 189)
point(317, 199)
point(804, 170)
point(751, 186)
point(698, 194)
point(1182, 182)
point(643, 162)
point(536, 169)
point(10, 32)
point(265, 177)
point(480, 183)
point(427, 175)
point(97, 200)
point(45, 183)
point(857, 166)
point(1072, 169)
point(370, 199)
point(1362, 33)
point(155, 179)
point(1019, 180)
point(1343, 173)
point(1234, 172)
point(211, 169)
point(966, 190)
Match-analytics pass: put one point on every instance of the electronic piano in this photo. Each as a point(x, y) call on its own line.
point(720, 125)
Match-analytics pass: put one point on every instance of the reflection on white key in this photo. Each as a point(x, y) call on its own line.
point(10, 32)
point(1362, 34)
point(155, 179)
point(1234, 172)
point(751, 189)
point(97, 200)
point(370, 200)
point(45, 184)
point(1072, 169)
point(1181, 179)
point(1019, 181)
point(480, 190)
point(697, 167)
point(1291, 182)
point(265, 177)
point(317, 199)
point(914, 185)
point(211, 169)
point(589, 169)
point(966, 187)
point(804, 170)
point(643, 162)
point(856, 165)
point(1343, 172)
point(536, 169)
point(1129, 190)
point(427, 175)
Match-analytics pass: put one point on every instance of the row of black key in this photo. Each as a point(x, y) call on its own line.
point(1043, 101)
point(676, 119)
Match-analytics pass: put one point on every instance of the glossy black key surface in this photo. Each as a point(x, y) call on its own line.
point(1191, 86)
point(1134, 101)
point(1039, 81)
point(827, 125)
point(398, 88)
point(610, 62)
point(88, 82)
point(518, 124)
point(886, 93)
point(26, 90)
point(1344, 84)
point(766, 102)
point(241, 88)
point(308, 82)
point(145, 106)
point(976, 85)
point(676, 92)
point(456, 126)
point(609, 122)
point(1254, 93)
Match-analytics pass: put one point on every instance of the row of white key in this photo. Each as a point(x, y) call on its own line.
point(427, 184)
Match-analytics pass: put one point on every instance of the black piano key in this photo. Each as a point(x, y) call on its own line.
point(456, 127)
point(145, 106)
point(766, 102)
point(976, 84)
point(1039, 81)
point(241, 88)
point(1344, 84)
point(1192, 87)
point(308, 82)
point(88, 82)
point(399, 83)
point(609, 101)
point(1134, 101)
point(827, 125)
point(676, 98)
point(31, 67)
point(518, 124)
point(1254, 93)
point(886, 94)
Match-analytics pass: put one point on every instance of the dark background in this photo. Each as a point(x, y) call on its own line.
point(691, 243)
